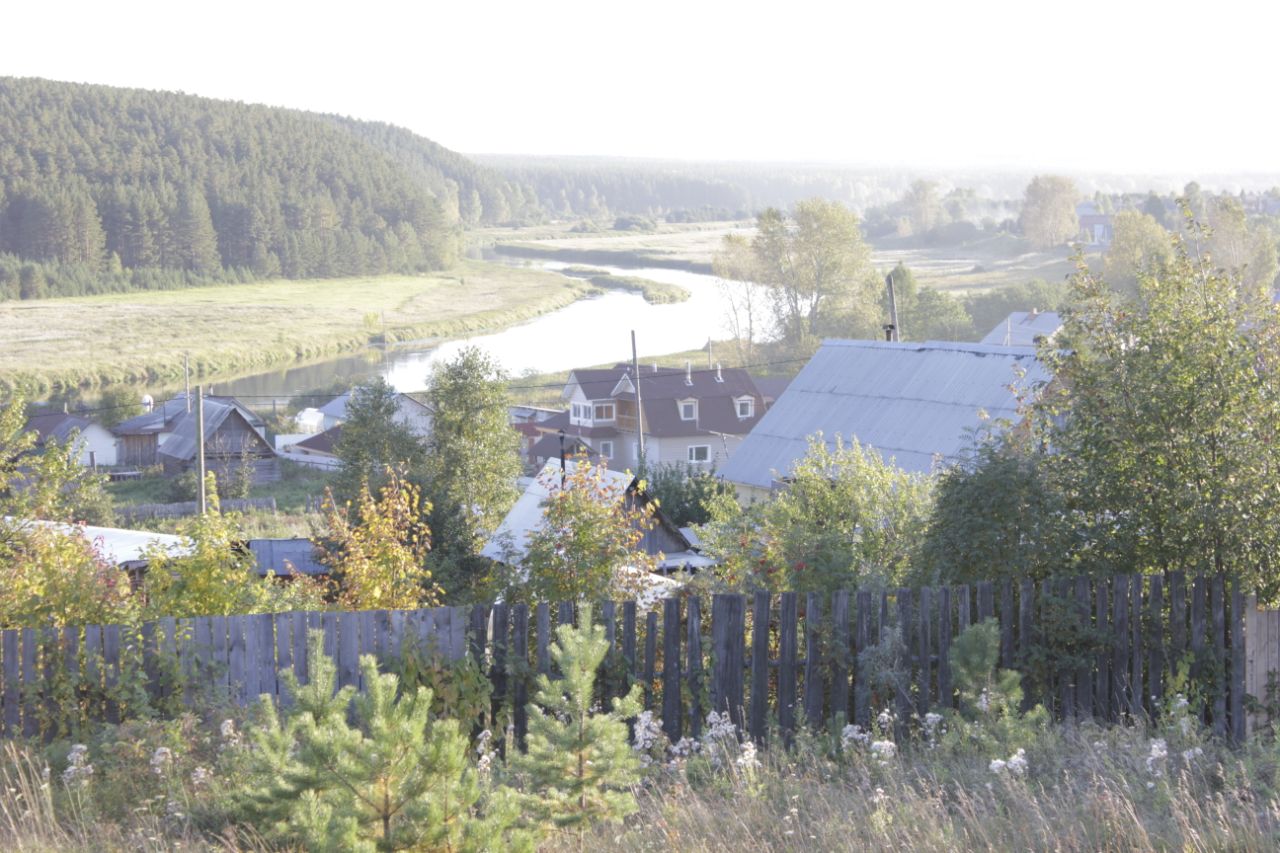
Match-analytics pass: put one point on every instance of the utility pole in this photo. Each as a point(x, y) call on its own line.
point(891, 331)
point(186, 372)
point(200, 443)
point(635, 369)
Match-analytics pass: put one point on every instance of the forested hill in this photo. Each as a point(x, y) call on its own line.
point(105, 189)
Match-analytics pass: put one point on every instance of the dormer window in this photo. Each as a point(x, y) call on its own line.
point(688, 410)
point(604, 411)
point(746, 407)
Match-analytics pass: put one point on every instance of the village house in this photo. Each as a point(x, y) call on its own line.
point(142, 437)
point(95, 443)
point(232, 445)
point(915, 403)
point(410, 411)
point(694, 417)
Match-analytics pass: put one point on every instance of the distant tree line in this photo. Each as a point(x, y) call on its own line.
point(108, 189)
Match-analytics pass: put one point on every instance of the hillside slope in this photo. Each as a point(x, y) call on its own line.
point(107, 189)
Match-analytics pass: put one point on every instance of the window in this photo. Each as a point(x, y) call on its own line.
point(688, 410)
point(606, 449)
point(746, 407)
point(604, 411)
point(699, 452)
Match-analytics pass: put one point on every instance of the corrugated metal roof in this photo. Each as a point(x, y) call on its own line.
point(911, 401)
point(120, 546)
point(286, 556)
point(1021, 328)
point(184, 441)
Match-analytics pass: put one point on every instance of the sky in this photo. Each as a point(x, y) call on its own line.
point(1115, 87)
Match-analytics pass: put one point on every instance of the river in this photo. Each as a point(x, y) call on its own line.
point(596, 330)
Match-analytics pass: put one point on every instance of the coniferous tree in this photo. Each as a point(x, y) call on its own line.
point(395, 780)
point(579, 763)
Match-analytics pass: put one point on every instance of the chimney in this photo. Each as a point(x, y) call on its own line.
point(719, 375)
point(655, 367)
point(688, 373)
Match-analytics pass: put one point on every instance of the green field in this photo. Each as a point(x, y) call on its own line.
point(141, 337)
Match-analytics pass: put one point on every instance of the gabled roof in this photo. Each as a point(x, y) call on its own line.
point(55, 425)
point(913, 402)
point(662, 388)
point(120, 546)
point(1023, 328)
point(155, 420)
point(337, 407)
point(182, 444)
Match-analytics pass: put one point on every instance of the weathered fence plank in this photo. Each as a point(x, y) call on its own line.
point(1136, 654)
point(945, 697)
point(788, 643)
point(650, 655)
point(840, 658)
point(862, 641)
point(629, 640)
point(1102, 678)
point(1217, 604)
point(348, 638)
point(520, 654)
point(813, 661)
point(671, 704)
point(30, 684)
point(1120, 693)
point(905, 706)
point(12, 691)
point(1237, 662)
point(759, 665)
point(542, 632)
point(728, 616)
point(924, 672)
point(693, 666)
point(1156, 623)
point(111, 669)
point(1084, 674)
point(1007, 614)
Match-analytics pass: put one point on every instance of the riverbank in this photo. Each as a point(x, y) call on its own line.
point(654, 292)
point(141, 337)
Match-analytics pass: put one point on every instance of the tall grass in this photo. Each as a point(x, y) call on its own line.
point(1086, 789)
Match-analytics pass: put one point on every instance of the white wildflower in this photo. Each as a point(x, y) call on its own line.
point(932, 721)
point(1190, 755)
point(1018, 762)
point(885, 720)
point(78, 767)
point(884, 750)
point(201, 776)
point(855, 736)
point(230, 737)
point(997, 765)
point(1155, 758)
point(161, 760)
point(647, 732)
point(984, 702)
point(747, 757)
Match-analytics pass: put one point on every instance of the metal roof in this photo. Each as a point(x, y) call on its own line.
point(1022, 328)
point(913, 402)
point(286, 556)
point(120, 546)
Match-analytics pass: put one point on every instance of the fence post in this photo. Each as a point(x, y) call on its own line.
point(1084, 675)
point(520, 652)
point(1007, 614)
point(1217, 600)
point(543, 638)
point(924, 675)
point(840, 661)
point(945, 696)
point(904, 703)
point(1137, 693)
point(1237, 661)
point(650, 656)
point(1102, 679)
point(862, 633)
point(1120, 694)
point(1155, 609)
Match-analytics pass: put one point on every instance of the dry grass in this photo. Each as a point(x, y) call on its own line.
point(693, 243)
point(1087, 790)
point(140, 337)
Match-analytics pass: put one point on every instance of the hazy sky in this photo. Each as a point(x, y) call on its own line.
point(1115, 86)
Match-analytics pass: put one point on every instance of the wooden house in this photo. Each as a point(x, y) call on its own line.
point(232, 445)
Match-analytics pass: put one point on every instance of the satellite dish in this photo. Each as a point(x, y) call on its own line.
point(148, 403)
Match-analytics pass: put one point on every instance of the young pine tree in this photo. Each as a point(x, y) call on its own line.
point(578, 760)
point(396, 780)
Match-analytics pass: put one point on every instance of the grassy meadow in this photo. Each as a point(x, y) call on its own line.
point(140, 337)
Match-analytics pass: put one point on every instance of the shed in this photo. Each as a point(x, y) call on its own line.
point(285, 557)
point(231, 444)
point(96, 444)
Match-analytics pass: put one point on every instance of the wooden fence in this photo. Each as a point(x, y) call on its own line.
point(1103, 648)
point(185, 509)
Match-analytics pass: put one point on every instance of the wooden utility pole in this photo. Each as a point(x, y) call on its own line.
point(186, 373)
point(892, 332)
point(200, 444)
point(635, 369)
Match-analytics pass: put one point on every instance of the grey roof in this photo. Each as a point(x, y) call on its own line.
point(183, 442)
point(1022, 328)
point(286, 556)
point(910, 401)
point(153, 421)
point(337, 407)
point(56, 425)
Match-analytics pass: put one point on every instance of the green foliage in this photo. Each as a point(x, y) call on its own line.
point(579, 763)
point(460, 690)
point(684, 492)
point(990, 699)
point(588, 545)
point(885, 665)
point(988, 309)
point(925, 313)
point(1048, 216)
point(997, 514)
point(1164, 433)
point(396, 779)
point(374, 441)
point(847, 518)
point(1140, 246)
point(471, 467)
point(377, 549)
point(817, 271)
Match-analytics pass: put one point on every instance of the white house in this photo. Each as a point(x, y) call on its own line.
point(96, 444)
